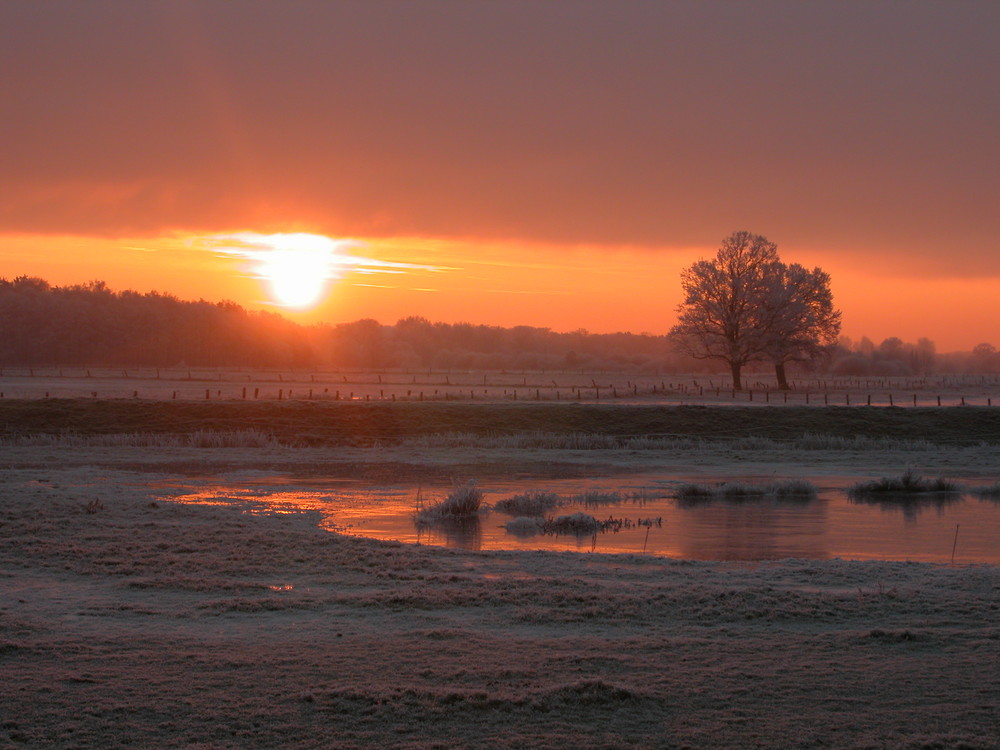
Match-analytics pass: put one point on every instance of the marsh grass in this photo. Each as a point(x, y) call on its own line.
point(596, 498)
point(906, 485)
point(579, 524)
point(533, 503)
point(464, 502)
point(791, 489)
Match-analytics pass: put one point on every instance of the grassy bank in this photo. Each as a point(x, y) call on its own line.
point(316, 423)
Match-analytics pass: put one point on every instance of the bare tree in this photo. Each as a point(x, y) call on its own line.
point(799, 320)
point(723, 315)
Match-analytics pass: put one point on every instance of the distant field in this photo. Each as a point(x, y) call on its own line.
point(326, 422)
point(193, 384)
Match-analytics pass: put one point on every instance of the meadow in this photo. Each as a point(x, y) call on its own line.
point(130, 619)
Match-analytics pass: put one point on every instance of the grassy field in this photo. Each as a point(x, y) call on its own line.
point(319, 423)
point(137, 623)
point(130, 620)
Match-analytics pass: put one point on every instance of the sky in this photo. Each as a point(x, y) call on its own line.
point(509, 163)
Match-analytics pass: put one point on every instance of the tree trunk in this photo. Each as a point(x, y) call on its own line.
point(779, 371)
point(737, 383)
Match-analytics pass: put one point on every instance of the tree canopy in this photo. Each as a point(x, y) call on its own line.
point(746, 305)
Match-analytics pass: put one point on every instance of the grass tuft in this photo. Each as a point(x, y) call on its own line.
point(909, 483)
point(463, 502)
point(595, 498)
point(534, 503)
point(577, 523)
point(792, 489)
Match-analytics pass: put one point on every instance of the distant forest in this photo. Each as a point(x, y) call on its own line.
point(91, 325)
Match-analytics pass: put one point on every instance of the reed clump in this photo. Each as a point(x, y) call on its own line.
point(579, 524)
point(908, 484)
point(463, 502)
point(596, 498)
point(791, 489)
point(530, 504)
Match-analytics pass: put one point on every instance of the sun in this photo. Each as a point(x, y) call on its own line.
point(297, 276)
point(297, 267)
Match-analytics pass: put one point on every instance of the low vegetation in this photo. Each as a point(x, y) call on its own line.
point(577, 523)
point(463, 502)
point(909, 483)
point(596, 498)
point(530, 504)
point(792, 489)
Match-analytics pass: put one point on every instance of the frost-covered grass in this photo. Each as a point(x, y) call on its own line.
point(168, 625)
point(596, 441)
point(597, 498)
point(463, 502)
point(908, 484)
point(576, 523)
point(534, 503)
point(792, 489)
point(198, 439)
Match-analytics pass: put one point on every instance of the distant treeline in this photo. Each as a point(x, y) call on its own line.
point(91, 325)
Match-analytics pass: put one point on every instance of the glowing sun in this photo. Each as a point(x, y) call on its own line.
point(296, 267)
point(297, 276)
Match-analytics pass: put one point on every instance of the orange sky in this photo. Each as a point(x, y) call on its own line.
point(524, 163)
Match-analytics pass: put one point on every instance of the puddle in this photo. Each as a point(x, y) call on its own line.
point(647, 520)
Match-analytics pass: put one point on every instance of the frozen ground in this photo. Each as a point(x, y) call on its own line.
point(132, 622)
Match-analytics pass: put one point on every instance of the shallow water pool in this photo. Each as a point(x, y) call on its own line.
point(651, 521)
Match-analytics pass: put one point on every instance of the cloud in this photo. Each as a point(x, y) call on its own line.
point(853, 126)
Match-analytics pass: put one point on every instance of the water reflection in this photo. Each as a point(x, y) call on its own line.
point(909, 505)
point(762, 528)
point(758, 530)
point(462, 533)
